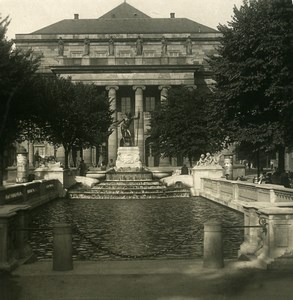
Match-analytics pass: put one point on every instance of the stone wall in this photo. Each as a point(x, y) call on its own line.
point(268, 218)
point(33, 193)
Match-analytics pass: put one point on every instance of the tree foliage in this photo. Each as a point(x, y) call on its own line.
point(72, 114)
point(253, 71)
point(17, 72)
point(181, 125)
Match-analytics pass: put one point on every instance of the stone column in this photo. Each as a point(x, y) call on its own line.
point(113, 138)
point(87, 156)
point(139, 124)
point(31, 154)
point(94, 159)
point(62, 247)
point(151, 159)
point(22, 166)
point(164, 161)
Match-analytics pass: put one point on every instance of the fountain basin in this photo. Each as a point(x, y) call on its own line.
point(161, 174)
point(97, 174)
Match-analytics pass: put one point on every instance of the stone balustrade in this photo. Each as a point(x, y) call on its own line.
point(33, 193)
point(268, 218)
point(13, 238)
point(236, 194)
point(15, 203)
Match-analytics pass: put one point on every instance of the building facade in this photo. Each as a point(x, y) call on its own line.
point(131, 56)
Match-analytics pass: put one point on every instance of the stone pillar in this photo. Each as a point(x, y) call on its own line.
point(113, 138)
point(151, 159)
point(164, 161)
point(7, 249)
point(22, 166)
point(22, 236)
point(139, 124)
point(94, 153)
point(252, 235)
point(31, 154)
point(213, 245)
point(62, 247)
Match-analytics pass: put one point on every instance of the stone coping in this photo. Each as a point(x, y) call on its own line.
point(7, 211)
point(262, 186)
point(276, 211)
point(209, 167)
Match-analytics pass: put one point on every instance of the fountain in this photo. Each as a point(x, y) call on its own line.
point(129, 180)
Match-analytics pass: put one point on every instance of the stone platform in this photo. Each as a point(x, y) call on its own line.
point(128, 159)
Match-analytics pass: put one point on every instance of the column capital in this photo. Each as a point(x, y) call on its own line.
point(109, 87)
point(161, 87)
point(135, 87)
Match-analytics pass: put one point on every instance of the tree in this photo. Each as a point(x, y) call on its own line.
point(181, 125)
point(253, 71)
point(17, 73)
point(72, 114)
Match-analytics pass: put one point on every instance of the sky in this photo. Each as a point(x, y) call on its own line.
point(30, 15)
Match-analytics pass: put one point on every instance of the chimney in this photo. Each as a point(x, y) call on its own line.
point(76, 16)
point(172, 15)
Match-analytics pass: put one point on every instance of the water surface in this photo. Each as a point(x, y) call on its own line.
point(135, 229)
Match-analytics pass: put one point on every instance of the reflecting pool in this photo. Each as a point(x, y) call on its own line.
point(135, 229)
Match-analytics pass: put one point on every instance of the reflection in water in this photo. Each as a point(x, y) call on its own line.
point(120, 229)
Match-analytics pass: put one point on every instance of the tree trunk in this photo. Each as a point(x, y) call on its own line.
point(66, 152)
point(1, 167)
point(281, 158)
point(258, 163)
point(190, 161)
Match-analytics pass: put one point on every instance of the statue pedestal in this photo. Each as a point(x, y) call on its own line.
point(128, 159)
point(198, 172)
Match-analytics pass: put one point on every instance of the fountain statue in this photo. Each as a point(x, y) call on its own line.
point(125, 129)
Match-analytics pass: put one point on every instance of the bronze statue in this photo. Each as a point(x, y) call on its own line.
point(125, 128)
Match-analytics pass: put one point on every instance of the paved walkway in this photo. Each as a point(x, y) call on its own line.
point(152, 279)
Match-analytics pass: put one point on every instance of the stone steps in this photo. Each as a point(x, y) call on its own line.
point(135, 183)
point(134, 189)
point(130, 185)
point(118, 195)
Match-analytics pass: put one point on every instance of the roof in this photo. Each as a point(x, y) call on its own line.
point(124, 10)
point(125, 19)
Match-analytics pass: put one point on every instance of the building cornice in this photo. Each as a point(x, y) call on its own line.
point(125, 69)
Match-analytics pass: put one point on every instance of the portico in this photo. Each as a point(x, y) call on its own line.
point(121, 53)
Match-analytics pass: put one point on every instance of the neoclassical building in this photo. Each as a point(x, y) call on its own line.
point(134, 57)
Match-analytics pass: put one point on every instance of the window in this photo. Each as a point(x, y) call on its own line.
point(150, 103)
point(101, 53)
point(125, 104)
point(174, 53)
point(75, 54)
point(149, 53)
point(125, 53)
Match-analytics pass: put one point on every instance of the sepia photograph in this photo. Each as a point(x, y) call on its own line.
point(146, 149)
